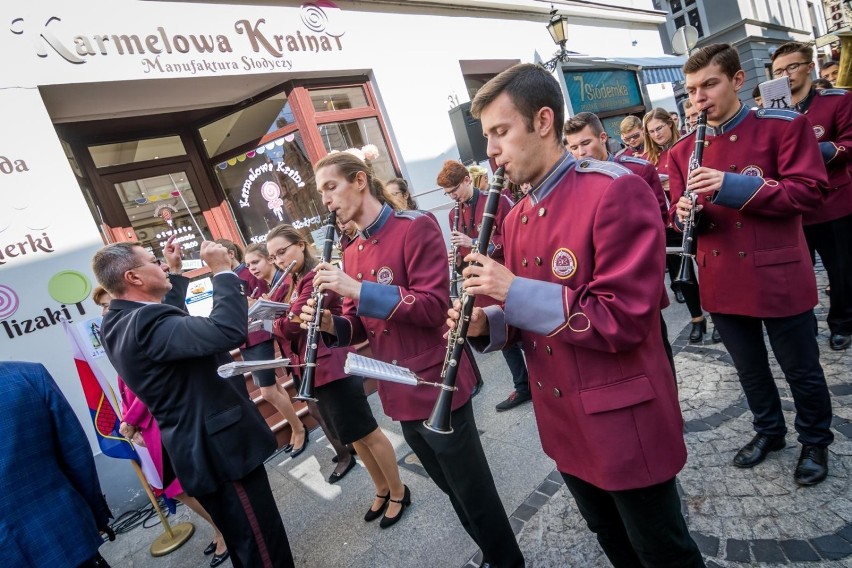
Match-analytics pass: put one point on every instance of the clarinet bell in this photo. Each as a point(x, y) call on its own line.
point(439, 420)
point(686, 272)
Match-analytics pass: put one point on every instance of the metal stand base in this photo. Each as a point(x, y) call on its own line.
point(170, 541)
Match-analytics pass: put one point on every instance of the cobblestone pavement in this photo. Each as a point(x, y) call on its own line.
point(756, 517)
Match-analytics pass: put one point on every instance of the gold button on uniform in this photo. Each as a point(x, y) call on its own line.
point(538, 384)
point(733, 168)
point(538, 260)
point(733, 137)
point(360, 276)
point(541, 212)
point(741, 253)
point(360, 247)
point(524, 219)
point(739, 225)
point(524, 262)
point(715, 252)
point(557, 393)
point(549, 350)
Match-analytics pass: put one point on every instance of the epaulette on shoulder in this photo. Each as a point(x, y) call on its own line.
point(632, 160)
point(830, 92)
point(611, 169)
point(682, 139)
point(410, 214)
point(781, 113)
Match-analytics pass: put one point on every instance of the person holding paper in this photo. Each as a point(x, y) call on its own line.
point(761, 171)
point(213, 434)
point(396, 287)
point(340, 397)
point(828, 228)
point(258, 265)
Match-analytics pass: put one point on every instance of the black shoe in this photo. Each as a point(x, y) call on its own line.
point(679, 296)
point(211, 548)
point(298, 451)
point(372, 515)
point(219, 558)
point(839, 342)
point(716, 337)
point(756, 451)
point(515, 399)
point(405, 502)
point(813, 465)
point(335, 477)
point(352, 452)
point(699, 328)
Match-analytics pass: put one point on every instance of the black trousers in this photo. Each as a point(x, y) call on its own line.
point(637, 527)
point(833, 241)
point(246, 513)
point(667, 345)
point(514, 357)
point(457, 465)
point(796, 350)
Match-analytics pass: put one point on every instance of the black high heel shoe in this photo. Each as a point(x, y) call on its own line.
point(405, 502)
point(699, 328)
point(372, 515)
point(298, 451)
point(211, 548)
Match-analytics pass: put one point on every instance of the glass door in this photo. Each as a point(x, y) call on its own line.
point(159, 204)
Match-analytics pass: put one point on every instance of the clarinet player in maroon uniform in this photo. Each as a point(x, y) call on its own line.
point(828, 229)
point(456, 182)
point(582, 287)
point(761, 171)
point(396, 287)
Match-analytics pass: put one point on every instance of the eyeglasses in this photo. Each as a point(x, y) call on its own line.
point(632, 137)
point(788, 70)
point(453, 190)
point(280, 252)
point(396, 194)
point(658, 129)
point(156, 262)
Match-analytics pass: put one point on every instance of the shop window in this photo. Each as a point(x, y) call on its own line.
point(270, 185)
point(358, 134)
point(248, 125)
point(136, 151)
point(85, 187)
point(160, 206)
point(338, 98)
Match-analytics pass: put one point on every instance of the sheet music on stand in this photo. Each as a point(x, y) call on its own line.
point(241, 367)
point(776, 93)
point(375, 369)
point(264, 309)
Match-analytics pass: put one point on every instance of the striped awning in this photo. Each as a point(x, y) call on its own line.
point(662, 69)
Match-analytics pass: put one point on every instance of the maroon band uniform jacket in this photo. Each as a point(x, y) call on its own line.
point(588, 250)
point(752, 257)
point(646, 170)
point(402, 309)
point(830, 114)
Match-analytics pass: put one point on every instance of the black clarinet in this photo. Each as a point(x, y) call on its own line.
point(454, 275)
point(439, 420)
point(306, 389)
point(686, 273)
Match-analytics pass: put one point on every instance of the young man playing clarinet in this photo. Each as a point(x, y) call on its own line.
point(587, 308)
point(828, 228)
point(761, 171)
point(396, 287)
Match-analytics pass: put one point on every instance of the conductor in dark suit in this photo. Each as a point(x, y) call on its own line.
point(215, 438)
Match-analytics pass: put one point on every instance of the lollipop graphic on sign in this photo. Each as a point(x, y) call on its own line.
point(8, 302)
point(272, 194)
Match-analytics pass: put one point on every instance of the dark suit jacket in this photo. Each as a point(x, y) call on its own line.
point(212, 432)
point(51, 499)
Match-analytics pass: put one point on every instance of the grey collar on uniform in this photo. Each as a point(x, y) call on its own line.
point(729, 124)
point(380, 221)
point(556, 173)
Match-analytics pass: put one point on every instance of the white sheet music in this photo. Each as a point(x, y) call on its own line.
point(373, 368)
point(267, 309)
point(776, 93)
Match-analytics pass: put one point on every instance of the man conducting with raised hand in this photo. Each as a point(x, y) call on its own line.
point(215, 437)
point(587, 309)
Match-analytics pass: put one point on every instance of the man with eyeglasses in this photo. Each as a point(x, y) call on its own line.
point(215, 439)
point(631, 134)
point(828, 229)
point(456, 182)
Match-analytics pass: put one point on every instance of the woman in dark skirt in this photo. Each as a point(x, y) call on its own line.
point(341, 397)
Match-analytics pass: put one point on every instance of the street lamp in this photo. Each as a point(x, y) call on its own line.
point(558, 28)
